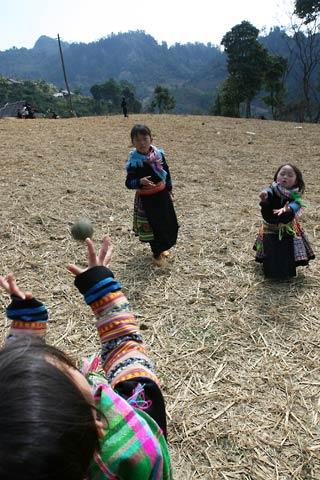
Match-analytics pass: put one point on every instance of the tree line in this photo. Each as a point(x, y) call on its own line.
point(132, 56)
point(252, 69)
point(275, 75)
point(106, 97)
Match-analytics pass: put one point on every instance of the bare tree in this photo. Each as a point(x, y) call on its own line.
point(306, 50)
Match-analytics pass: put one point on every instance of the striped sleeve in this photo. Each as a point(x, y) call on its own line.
point(123, 354)
point(28, 317)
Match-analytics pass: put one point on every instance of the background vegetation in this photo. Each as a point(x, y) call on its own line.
point(252, 73)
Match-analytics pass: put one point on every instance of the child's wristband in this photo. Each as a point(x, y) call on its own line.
point(29, 317)
point(95, 283)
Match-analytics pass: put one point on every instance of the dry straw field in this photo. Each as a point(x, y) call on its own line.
point(238, 356)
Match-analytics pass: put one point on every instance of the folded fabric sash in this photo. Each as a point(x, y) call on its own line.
point(143, 192)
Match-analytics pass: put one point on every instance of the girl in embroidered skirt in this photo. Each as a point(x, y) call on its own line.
point(57, 423)
point(154, 218)
point(282, 245)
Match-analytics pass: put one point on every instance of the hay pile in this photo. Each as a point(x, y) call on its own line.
point(238, 355)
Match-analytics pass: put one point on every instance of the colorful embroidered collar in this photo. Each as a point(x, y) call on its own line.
point(290, 195)
point(153, 158)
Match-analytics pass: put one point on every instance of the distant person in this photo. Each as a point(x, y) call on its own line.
point(124, 107)
point(51, 113)
point(23, 112)
point(29, 110)
point(282, 245)
point(105, 421)
point(154, 219)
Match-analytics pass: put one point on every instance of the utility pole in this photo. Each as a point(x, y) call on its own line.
point(72, 112)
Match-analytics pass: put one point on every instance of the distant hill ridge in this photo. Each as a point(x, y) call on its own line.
point(193, 71)
point(48, 44)
point(132, 56)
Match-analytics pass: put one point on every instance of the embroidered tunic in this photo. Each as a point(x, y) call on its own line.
point(154, 218)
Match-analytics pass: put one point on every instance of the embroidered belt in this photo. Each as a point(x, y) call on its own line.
point(280, 228)
point(151, 191)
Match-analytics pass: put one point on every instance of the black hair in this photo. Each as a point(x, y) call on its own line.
point(47, 426)
point(300, 182)
point(139, 130)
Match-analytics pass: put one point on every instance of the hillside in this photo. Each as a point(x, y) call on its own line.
point(132, 56)
point(192, 71)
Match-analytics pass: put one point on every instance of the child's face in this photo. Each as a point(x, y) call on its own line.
point(142, 143)
point(287, 177)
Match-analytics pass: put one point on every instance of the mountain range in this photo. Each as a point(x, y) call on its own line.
point(192, 71)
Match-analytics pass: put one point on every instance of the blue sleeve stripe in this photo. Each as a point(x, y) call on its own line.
point(27, 318)
point(102, 283)
point(294, 206)
point(101, 293)
point(27, 311)
point(40, 317)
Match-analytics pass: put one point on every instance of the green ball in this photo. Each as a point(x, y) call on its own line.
point(82, 229)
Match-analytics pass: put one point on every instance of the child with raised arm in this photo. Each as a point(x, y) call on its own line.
point(282, 245)
point(154, 218)
point(59, 423)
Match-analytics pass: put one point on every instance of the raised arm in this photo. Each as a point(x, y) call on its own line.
point(123, 354)
point(124, 359)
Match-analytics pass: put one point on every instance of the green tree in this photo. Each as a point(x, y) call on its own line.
point(246, 60)
point(162, 100)
point(83, 106)
point(228, 100)
point(276, 68)
point(100, 105)
point(308, 10)
point(216, 108)
point(108, 96)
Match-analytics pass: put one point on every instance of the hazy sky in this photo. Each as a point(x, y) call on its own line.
point(23, 21)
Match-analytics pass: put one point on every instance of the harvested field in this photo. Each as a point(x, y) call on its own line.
point(238, 356)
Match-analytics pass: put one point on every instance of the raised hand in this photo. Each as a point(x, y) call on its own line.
point(146, 182)
point(9, 284)
point(282, 210)
point(103, 258)
point(263, 195)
